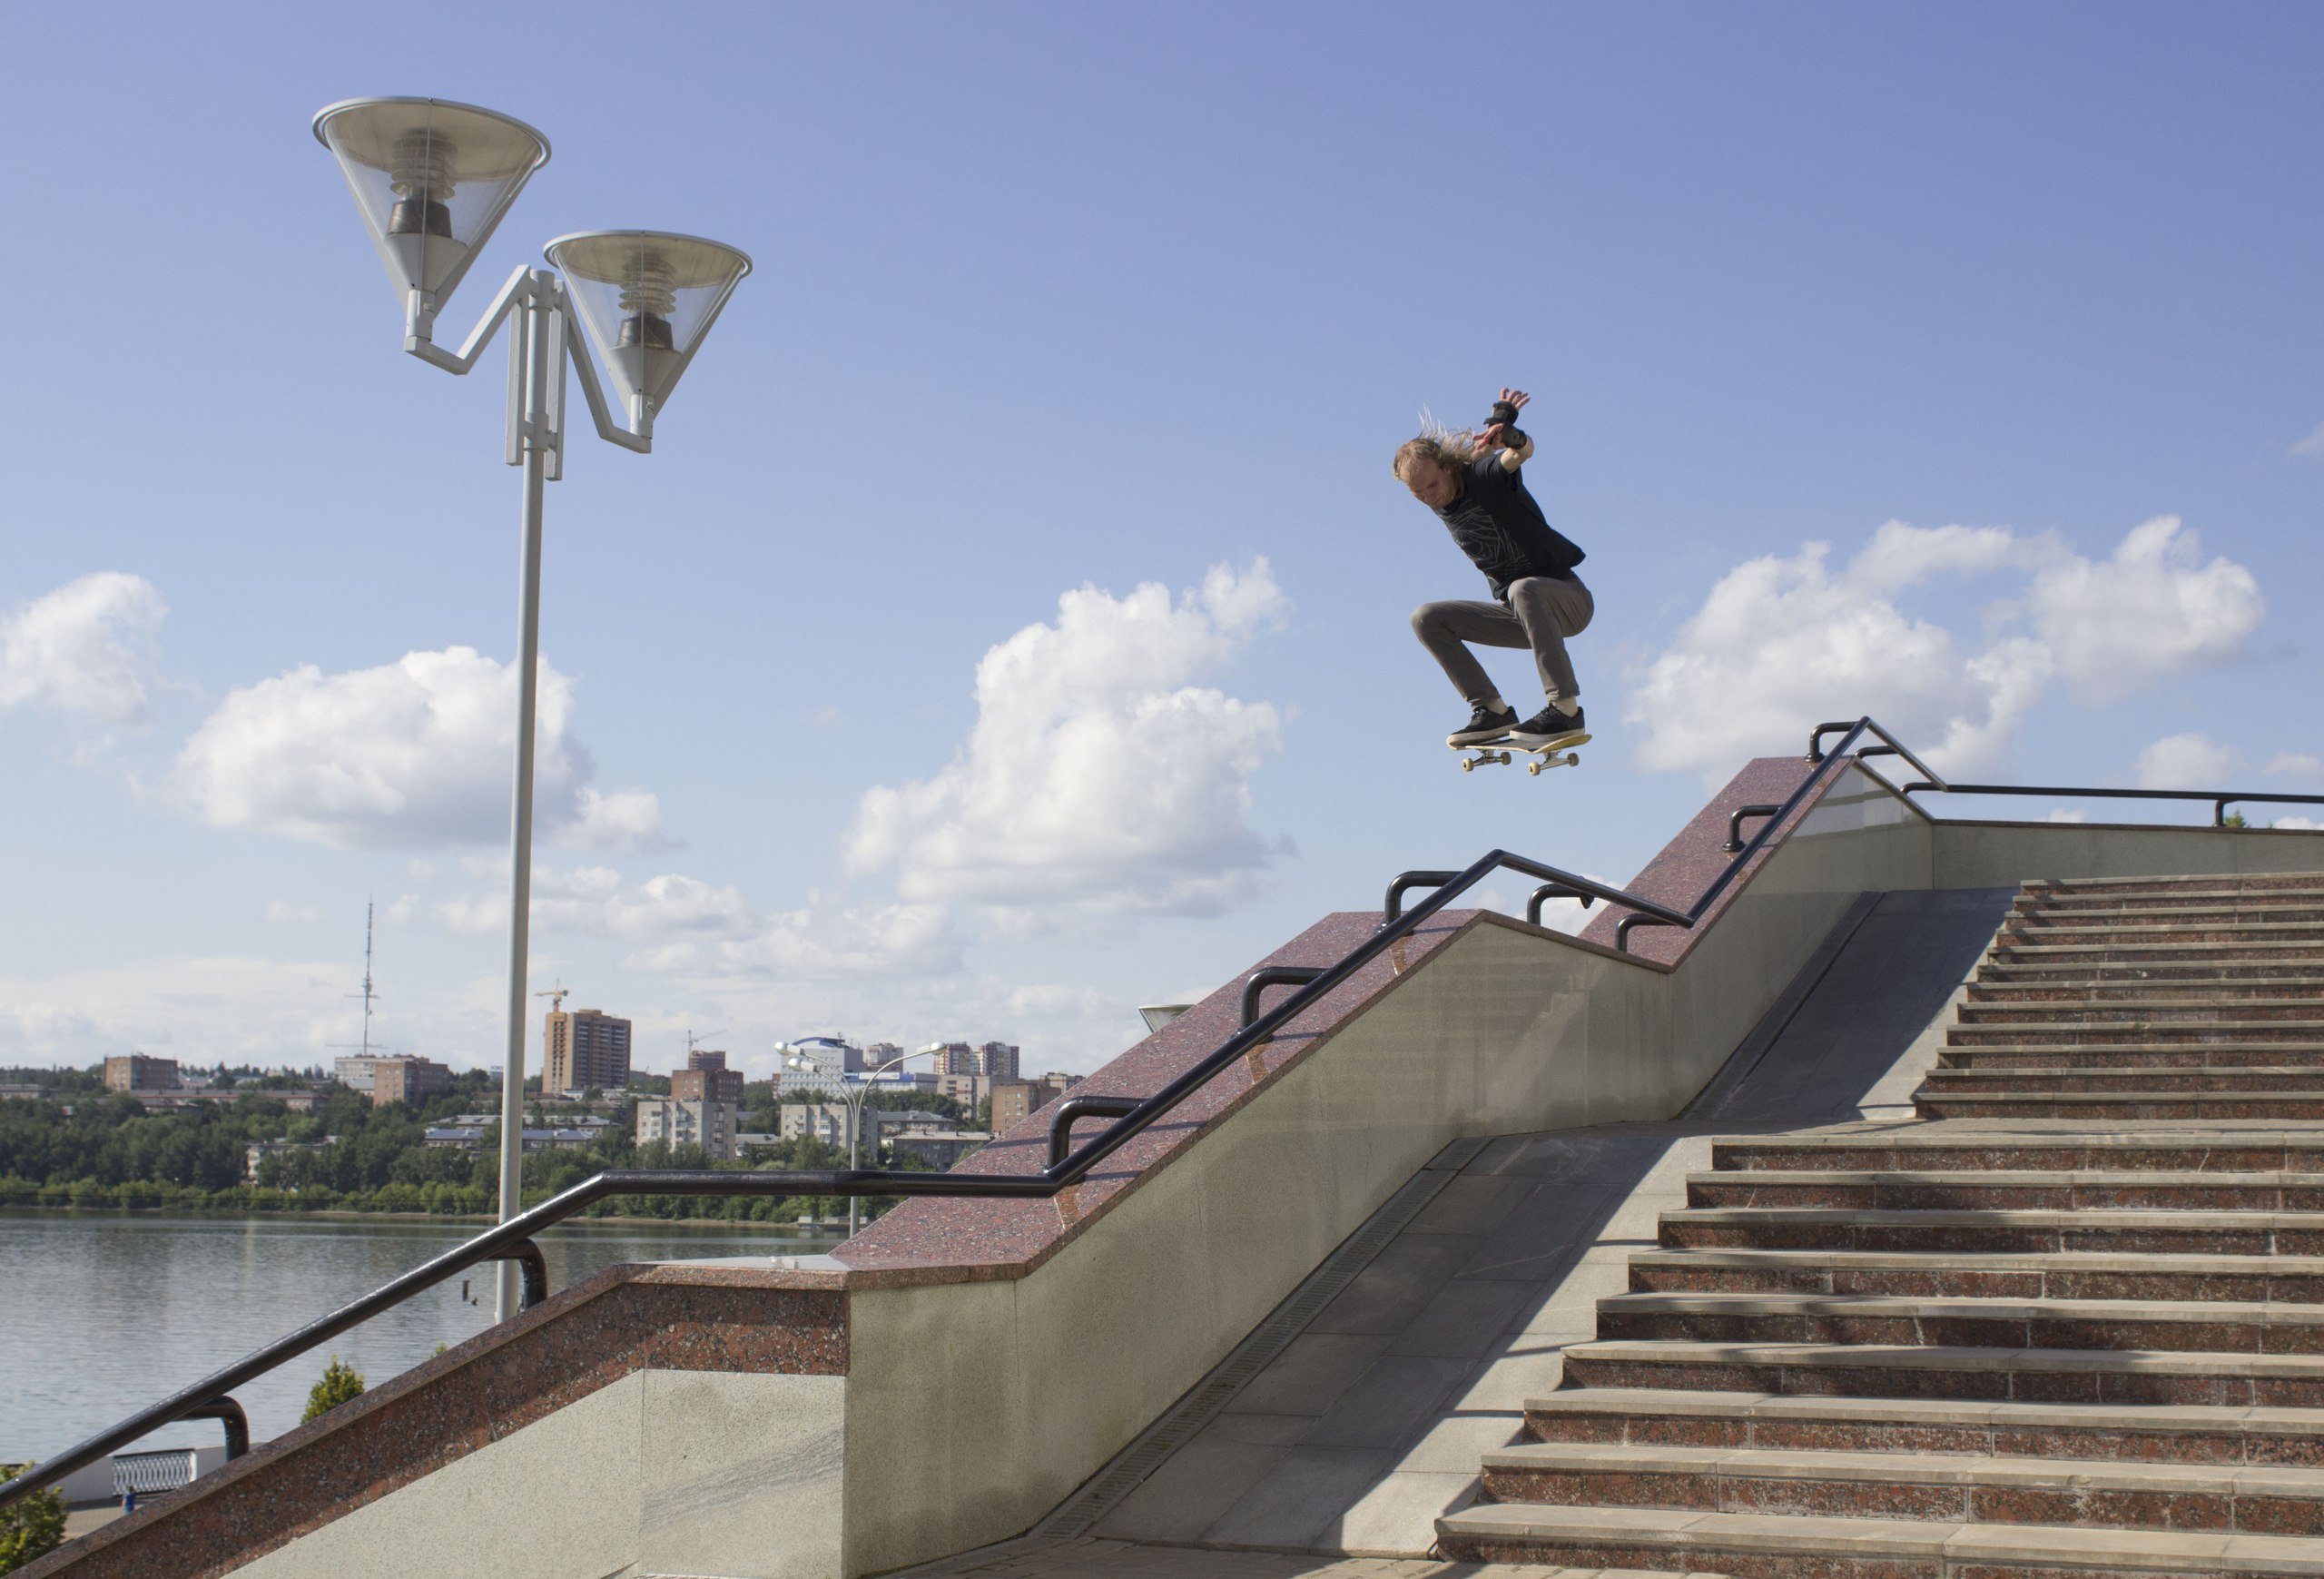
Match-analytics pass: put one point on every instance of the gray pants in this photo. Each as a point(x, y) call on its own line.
point(1543, 610)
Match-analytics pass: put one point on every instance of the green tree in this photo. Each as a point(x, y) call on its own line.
point(341, 1381)
point(32, 1527)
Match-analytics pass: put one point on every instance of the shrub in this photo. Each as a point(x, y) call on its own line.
point(341, 1381)
point(31, 1527)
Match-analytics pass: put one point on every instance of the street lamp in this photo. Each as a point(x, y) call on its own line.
point(433, 178)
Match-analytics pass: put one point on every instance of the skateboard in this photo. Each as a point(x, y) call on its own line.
point(1558, 751)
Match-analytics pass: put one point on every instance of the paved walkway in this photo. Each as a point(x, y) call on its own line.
point(1103, 1559)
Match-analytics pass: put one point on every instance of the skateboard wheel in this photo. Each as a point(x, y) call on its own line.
point(1468, 765)
point(1535, 768)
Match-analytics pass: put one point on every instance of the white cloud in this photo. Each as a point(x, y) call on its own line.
point(2295, 765)
point(2310, 447)
point(412, 754)
point(2301, 823)
point(1782, 643)
point(282, 913)
point(2154, 609)
point(1099, 778)
point(2184, 762)
point(84, 648)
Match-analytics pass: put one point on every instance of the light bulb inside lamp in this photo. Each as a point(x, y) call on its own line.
point(421, 180)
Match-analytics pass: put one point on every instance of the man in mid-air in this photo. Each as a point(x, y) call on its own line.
point(1471, 479)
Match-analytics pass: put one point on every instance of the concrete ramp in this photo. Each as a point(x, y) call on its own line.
point(1371, 1422)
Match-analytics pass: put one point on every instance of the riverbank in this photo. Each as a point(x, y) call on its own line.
point(812, 1227)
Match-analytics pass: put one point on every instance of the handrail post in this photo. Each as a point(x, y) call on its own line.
point(1267, 976)
point(2219, 811)
point(1549, 891)
point(1623, 930)
point(534, 1265)
point(1735, 825)
point(1393, 907)
point(236, 1423)
point(1069, 1109)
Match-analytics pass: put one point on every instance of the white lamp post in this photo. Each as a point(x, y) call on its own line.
point(433, 178)
point(855, 1118)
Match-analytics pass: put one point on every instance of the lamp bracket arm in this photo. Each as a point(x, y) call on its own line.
point(419, 322)
point(593, 392)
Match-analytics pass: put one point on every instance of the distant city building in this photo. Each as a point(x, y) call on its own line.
point(408, 1080)
point(880, 1052)
point(996, 1060)
point(1015, 1100)
point(14, 1093)
point(706, 1077)
point(939, 1146)
point(583, 1050)
point(688, 1121)
point(957, 1058)
point(355, 1073)
point(827, 1123)
point(967, 1090)
point(456, 1136)
point(829, 1059)
point(134, 1072)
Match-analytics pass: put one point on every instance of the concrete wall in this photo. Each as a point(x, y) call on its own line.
point(662, 1472)
point(1992, 854)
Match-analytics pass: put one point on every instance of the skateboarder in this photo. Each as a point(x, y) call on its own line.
point(1470, 481)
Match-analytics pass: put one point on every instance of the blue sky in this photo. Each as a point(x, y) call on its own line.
point(1051, 298)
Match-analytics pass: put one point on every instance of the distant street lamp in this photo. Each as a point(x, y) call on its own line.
point(853, 1097)
point(433, 178)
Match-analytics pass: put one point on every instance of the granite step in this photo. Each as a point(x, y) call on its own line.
point(2305, 891)
point(2000, 1489)
point(1945, 1081)
point(2184, 1148)
point(2154, 1009)
point(2208, 910)
point(2102, 1030)
point(2088, 1106)
point(2304, 986)
point(2195, 975)
point(2063, 1275)
point(2017, 931)
point(2052, 1189)
point(2117, 952)
point(2116, 1233)
point(2097, 1432)
point(1795, 1546)
point(2215, 1327)
point(2237, 882)
point(2024, 1374)
point(2136, 1055)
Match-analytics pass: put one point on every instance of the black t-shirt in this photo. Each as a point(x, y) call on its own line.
point(1502, 529)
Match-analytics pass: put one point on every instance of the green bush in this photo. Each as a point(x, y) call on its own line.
point(32, 1527)
point(341, 1381)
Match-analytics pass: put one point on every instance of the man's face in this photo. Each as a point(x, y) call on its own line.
point(1432, 483)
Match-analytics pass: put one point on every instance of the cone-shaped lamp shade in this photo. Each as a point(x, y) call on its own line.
point(648, 298)
point(433, 178)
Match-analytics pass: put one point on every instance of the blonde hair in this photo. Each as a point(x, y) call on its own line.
point(1452, 447)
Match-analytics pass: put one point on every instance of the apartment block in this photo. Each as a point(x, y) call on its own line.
point(134, 1072)
point(408, 1080)
point(706, 1078)
point(689, 1122)
point(1014, 1101)
point(583, 1050)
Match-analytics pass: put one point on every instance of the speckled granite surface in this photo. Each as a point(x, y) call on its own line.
point(625, 1318)
point(1688, 864)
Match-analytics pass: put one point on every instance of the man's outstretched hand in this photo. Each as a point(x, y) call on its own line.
point(1491, 439)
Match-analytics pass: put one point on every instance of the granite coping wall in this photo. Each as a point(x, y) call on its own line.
point(976, 1392)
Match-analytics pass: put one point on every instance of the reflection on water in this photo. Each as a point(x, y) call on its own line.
point(106, 1314)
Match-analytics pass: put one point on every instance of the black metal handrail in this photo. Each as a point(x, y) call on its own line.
point(1267, 976)
point(1069, 1109)
point(1549, 891)
point(2220, 799)
point(1735, 825)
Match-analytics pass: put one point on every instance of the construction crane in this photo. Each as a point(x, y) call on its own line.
point(557, 995)
point(693, 1041)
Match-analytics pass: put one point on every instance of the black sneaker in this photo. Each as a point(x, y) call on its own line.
point(1486, 723)
point(1550, 724)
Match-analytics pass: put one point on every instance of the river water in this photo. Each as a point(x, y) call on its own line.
point(106, 1313)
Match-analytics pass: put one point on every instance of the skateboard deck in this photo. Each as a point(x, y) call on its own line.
point(1558, 751)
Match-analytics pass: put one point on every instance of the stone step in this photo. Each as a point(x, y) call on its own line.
point(2307, 890)
point(2185, 1148)
point(2193, 975)
point(2306, 987)
point(2089, 1432)
point(1996, 1490)
point(1794, 1546)
point(2042, 1375)
point(2218, 1328)
point(1945, 1080)
point(2132, 1030)
point(2118, 953)
point(2064, 1275)
point(2018, 930)
point(2134, 1055)
point(2211, 909)
point(2112, 1233)
point(2114, 1105)
point(2052, 1189)
point(2306, 1008)
point(2236, 882)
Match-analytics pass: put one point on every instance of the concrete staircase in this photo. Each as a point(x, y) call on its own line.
point(2071, 1322)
